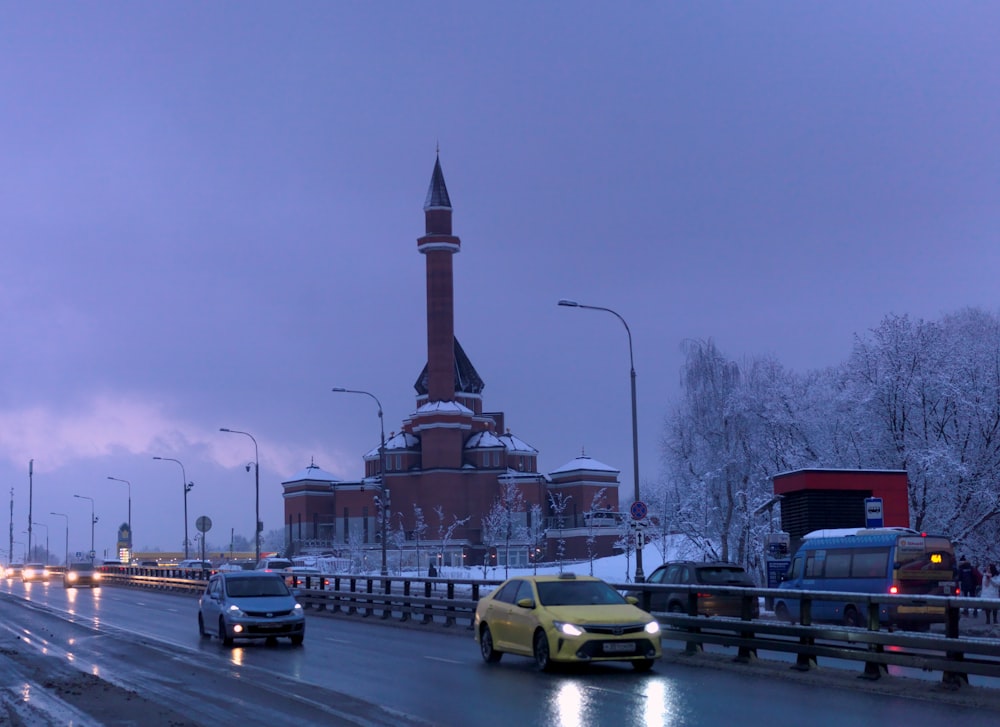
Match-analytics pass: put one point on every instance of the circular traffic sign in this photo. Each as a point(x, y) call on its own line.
point(203, 523)
point(638, 510)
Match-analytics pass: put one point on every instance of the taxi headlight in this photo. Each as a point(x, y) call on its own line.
point(567, 628)
point(653, 627)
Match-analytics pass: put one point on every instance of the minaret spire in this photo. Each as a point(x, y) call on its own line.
point(438, 245)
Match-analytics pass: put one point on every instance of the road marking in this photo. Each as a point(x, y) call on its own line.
point(446, 661)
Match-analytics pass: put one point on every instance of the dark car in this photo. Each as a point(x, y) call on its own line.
point(686, 572)
point(250, 605)
point(81, 574)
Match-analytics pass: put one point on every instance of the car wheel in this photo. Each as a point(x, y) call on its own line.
point(642, 665)
point(782, 614)
point(201, 628)
point(227, 640)
point(851, 617)
point(490, 654)
point(543, 658)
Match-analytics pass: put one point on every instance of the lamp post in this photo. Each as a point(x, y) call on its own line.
point(256, 473)
point(116, 479)
point(93, 521)
point(187, 489)
point(43, 525)
point(66, 561)
point(640, 577)
point(381, 471)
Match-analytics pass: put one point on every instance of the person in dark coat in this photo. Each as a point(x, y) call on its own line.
point(966, 580)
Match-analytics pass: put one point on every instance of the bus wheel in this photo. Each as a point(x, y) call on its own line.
point(782, 614)
point(851, 617)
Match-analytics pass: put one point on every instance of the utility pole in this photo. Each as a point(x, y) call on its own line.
point(31, 471)
point(10, 549)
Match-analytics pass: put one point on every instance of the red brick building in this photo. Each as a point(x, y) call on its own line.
point(451, 456)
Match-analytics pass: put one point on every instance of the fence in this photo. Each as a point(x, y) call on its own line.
point(452, 603)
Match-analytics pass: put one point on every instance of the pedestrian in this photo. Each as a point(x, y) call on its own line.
point(977, 576)
point(991, 590)
point(966, 580)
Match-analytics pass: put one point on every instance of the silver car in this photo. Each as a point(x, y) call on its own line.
point(250, 605)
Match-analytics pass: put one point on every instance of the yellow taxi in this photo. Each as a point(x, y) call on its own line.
point(565, 618)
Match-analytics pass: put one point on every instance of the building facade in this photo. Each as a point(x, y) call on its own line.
point(460, 487)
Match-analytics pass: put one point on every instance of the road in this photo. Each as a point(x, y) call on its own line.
point(357, 671)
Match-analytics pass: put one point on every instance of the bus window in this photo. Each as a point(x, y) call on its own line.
point(814, 564)
point(870, 563)
point(838, 564)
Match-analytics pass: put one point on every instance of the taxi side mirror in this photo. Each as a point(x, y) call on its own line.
point(526, 603)
point(633, 600)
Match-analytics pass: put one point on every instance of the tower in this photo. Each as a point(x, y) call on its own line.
point(441, 422)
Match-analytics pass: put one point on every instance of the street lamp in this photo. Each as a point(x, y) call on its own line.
point(129, 544)
point(640, 577)
point(66, 561)
point(43, 525)
point(256, 472)
point(381, 471)
point(187, 488)
point(93, 521)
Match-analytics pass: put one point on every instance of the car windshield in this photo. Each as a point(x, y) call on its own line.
point(253, 587)
point(723, 576)
point(577, 593)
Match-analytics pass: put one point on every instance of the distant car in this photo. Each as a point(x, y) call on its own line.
point(149, 564)
point(250, 605)
point(710, 573)
point(195, 564)
point(271, 564)
point(236, 566)
point(81, 574)
point(565, 618)
point(14, 570)
point(35, 572)
point(299, 576)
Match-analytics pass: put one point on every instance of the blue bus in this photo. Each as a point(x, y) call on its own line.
point(886, 560)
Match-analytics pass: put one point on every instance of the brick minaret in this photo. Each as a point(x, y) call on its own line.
point(441, 422)
point(438, 245)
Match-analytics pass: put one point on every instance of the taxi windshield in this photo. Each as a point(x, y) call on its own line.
point(577, 593)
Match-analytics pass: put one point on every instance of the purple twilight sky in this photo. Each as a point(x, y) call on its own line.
point(210, 210)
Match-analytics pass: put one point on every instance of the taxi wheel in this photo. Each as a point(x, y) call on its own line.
point(201, 628)
point(542, 657)
point(642, 665)
point(224, 636)
point(490, 655)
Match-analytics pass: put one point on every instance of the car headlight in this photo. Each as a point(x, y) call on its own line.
point(297, 608)
point(567, 628)
point(96, 576)
point(71, 576)
point(653, 627)
point(234, 610)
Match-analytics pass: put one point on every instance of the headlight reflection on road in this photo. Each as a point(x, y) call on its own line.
point(569, 706)
point(236, 656)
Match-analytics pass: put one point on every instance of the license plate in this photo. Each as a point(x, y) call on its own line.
point(617, 647)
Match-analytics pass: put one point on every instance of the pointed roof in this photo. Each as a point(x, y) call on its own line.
point(467, 380)
point(437, 192)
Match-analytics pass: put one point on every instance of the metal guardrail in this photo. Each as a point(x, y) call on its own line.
point(452, 602)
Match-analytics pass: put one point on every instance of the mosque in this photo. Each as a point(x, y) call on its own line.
point(460, 487)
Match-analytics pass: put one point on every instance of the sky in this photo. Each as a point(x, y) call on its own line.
point(209, 215)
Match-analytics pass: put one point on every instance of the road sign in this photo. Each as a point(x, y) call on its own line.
point(203, 523)
point(873, 513)
point(638, 510)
